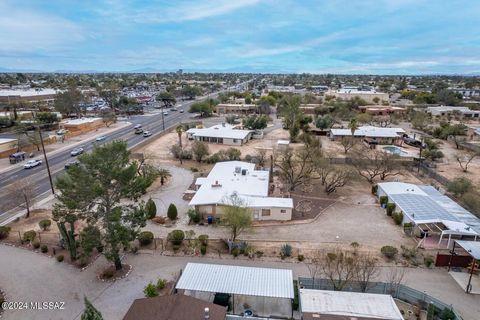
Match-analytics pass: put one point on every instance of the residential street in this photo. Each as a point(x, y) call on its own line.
point(27, 276)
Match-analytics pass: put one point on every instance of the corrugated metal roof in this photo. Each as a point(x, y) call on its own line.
point(472, 247)
point(420, 208)
point(249, 281)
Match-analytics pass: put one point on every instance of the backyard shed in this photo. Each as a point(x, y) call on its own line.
point(265, 292)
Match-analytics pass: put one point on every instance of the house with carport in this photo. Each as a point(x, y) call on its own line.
point(221, 133)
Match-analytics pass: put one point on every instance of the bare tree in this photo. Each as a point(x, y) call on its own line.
point(261, 156)
point(338, 177)
point(22, 193)
point(367, 270)
point(339, 267)
point(348, 143)
point(372, 163)
point(395, 278)
point(314, 264)
point(465, 158)
point(296, 167)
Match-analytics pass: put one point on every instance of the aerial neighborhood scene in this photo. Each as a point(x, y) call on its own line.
point(225, 160)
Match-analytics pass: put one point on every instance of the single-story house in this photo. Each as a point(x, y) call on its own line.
point(430, 211)
point(381, 110)
point(250, 185)
point(465, 112)
point(81, 125)
point(373, 135)
point(221, 133)
point(261, 292)
point(174, 307)
point(236, 108)
point(370, 96)
point(341, 305)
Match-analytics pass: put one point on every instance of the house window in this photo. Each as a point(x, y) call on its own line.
point(283, 211)
point(265, 212)
point(235, 140)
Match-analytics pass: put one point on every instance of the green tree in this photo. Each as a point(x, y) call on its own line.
point(68, 102)
point(353, 125)
point(456, 132)
point(151, 208)
point(233, 154)
point(265, 104)
point(172, 212)
point(150, 290)
point(167, 99)
point(179, 130)
point(191, 92)
point(237, 217)
point(200, 150)
point(459, 186)
point(100, 188)
point(204, 108)
point(65, 215)
point(255, 122)
point(46, 117)
point(90, 238)
point(90, 313)
point(324, 122)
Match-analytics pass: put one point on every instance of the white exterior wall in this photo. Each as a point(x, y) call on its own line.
point(275, 213)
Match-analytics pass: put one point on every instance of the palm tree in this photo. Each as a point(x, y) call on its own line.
point(179, 130)
point(164, 174)
point(353, 125)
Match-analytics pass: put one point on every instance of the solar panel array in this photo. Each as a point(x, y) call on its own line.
point(421, 208)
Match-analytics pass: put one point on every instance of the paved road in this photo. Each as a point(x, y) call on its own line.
point(39, 175)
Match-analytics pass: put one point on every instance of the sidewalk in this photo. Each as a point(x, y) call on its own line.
point(58, 147)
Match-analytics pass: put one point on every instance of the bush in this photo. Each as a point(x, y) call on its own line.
point(286, 250)
point(151, 209)
point(29, 235)
point(300, 257)
point(235, 252)
point(259, 253)
point(108, 273)
point(194, 215)
point(428, 261)
point(389, 251)
point(383, 200)
point(374, 189)
point(4, 232)
point(36, 244)
point(176, 237)
point(161, 284)
point(145, 238)
point(203, 238)
point(398, 218)
point(150, 290)
point(159, 220)
point(59, 258)
point(193, 169)
point(44, 248)
point(176, 247)
point(203, 250)
point(390, 208)
point(45, 224)
point(172, 212)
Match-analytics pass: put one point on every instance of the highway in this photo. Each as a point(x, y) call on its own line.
point(39, 175)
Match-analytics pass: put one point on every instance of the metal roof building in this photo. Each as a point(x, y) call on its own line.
point(472, 247)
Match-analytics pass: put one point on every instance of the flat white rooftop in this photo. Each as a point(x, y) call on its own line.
point(353, 304)
point(225, 131)
point(369, 131)
point(6, 140)
point(27, 92)
point(80, 121)
point(248, 281)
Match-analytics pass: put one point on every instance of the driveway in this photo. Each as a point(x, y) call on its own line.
point(27, 276)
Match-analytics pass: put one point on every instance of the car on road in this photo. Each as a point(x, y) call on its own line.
point(138, 131)
point(137, 126)
point(69, 164)
point(173, 109)
point(165, 113)
point(181, 111)
point(32, 163)
point(76, 152)
point(61, 132)
point(146, 133)
point(101, 138)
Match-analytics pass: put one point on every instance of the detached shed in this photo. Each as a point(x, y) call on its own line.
point(262, 292)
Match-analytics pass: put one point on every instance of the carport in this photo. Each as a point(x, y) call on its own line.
point(469, 281)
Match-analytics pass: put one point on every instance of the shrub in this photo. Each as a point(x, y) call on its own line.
point(300, 257)
point(145, 238)
point(408, 253)
point(286, 250)
point(259, 253)
point(159, 220)
point(398, 218)
point(374, 189)
point(203, 238)
point(4, 232)
point(390, 208)
point(44, 248)
point(383, 200)
point(194, 215)
point(447, 314)
point(151, 209)
point(235, 252)
point(176, 247)
point(389, 251)
point(108, 273)
point(29, 235)
point(176, 237)
point(36, 244)
point(150, 290)
point(203, 250)
point(193, 169)
point(99, 249)
point(172, 212)
point(45, 224)
point(428, 261)
point(248, 158)
point(82, 262)
point(59, 258)
point(161, 284)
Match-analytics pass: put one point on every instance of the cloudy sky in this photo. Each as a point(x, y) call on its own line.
point(317, 36)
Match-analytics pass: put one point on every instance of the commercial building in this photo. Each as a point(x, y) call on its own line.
point(260, 292)
point(82, 125)
point(221, 133)
point(237, 178)
point(370, 96)
point(33, 96)
point(372, 135)
point(7, 147)
point(464, 112)
point(236, 108)
point(341, 305)
point(434, 216)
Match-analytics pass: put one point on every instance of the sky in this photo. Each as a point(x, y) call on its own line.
point(277, 36)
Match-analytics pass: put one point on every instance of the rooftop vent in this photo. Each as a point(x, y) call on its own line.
point(244, 172)
point(238, 169)
point(216, 184)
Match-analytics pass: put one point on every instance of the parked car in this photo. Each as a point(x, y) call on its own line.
point(76, 152)
point(61, 132)
point(101, 138)
point(181, 111)
point(69, 164)
point(147, 133)
point(32, 163)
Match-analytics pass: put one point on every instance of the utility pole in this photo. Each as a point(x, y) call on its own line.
point(420, 156)
point(46, 160)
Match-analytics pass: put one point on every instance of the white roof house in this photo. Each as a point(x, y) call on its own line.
point(369, 132)
point(250, 281)
point(27, 92)
point(442, 110)
point(238, 177)
point(224, 131)
point(348, 304)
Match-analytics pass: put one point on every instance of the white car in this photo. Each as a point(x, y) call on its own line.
point(76, 152)
point(101, 138)
point(165, 113)
point(146, 133)
point(181, 110)
point(32, 163)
